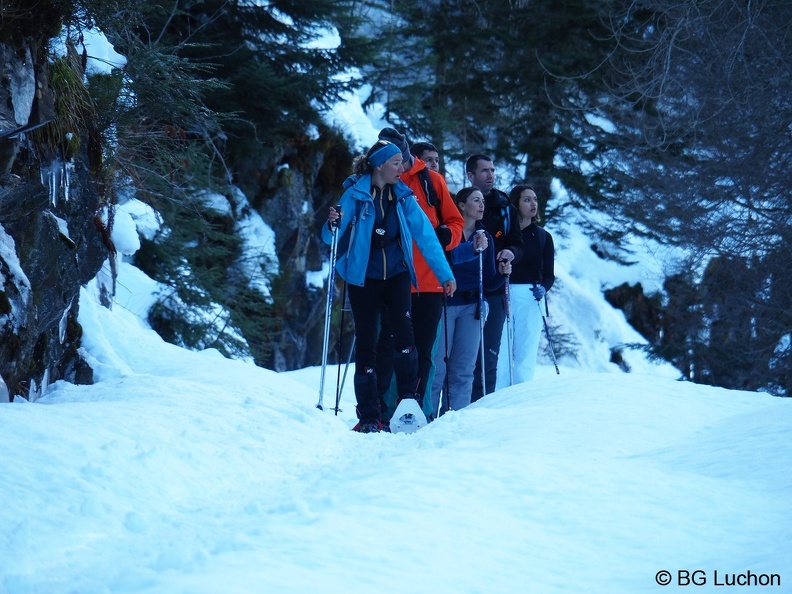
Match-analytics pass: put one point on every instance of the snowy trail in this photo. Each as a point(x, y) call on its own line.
point(209, 475)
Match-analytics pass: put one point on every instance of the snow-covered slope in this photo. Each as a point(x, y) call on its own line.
point(184, 472)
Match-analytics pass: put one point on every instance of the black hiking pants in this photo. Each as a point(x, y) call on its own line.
point(493, 330)
point(367, 305)
point(426, 311)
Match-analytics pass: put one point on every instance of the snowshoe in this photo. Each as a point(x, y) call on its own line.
point(408, 417)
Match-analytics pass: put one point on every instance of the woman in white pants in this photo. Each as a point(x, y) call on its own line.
point(529, 282)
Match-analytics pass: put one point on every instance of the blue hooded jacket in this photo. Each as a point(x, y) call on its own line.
point(465, 264)
point(357, 208)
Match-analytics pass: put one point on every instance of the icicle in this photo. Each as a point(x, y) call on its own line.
point(33, 392)
point(105, 285)
point(4, 396)
point(55, 181)
point(56, 175)
point(67, 168)
point(64, 321)
point(45, 383)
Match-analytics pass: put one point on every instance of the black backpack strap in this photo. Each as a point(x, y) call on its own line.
point(431, 194)
point(428, 187)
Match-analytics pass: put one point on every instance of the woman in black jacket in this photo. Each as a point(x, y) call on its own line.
point(529, 282)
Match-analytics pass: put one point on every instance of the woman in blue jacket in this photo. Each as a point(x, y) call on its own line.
point(462, 315)
point(379, 220)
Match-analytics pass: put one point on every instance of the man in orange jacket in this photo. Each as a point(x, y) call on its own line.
point(431, 192)
point(428, 153)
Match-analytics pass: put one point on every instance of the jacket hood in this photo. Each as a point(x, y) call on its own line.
point(350, 181)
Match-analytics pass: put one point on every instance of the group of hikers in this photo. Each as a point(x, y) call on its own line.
point(431, 278)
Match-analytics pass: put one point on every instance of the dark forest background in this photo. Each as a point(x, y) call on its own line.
point(663, 119)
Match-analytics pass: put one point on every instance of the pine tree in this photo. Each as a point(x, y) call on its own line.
point(486, 77)
point(279, 71)
point(233, 92)
point(698, 111)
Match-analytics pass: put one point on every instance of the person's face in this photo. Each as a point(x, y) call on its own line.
point(391, 169)
point(483, 177)
point(432, 160)
point(473, 208)
point(528, 205)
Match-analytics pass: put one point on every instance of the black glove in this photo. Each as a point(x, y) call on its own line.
point(538, 292)
point(443, 235)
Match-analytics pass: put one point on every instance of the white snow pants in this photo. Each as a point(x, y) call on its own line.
point(526, 319)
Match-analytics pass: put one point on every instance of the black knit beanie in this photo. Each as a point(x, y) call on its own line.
point(394, 136)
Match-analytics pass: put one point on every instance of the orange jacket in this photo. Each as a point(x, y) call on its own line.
point(451, 218)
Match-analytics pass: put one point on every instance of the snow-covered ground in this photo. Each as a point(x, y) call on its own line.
point(184, 472)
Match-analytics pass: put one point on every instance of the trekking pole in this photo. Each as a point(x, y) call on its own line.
point(339, 345)
point(549, 340)
point(328, 306)
point(340, 390)
point(444, 393)
point(346, 368)
point(481, 317)
point(509, 331)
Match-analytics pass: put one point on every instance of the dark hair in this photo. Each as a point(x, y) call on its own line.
point(472, 162)
point(514, 198)
point(419, 148)
point(464, 194)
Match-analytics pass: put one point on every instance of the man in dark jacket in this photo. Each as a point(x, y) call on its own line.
point(501, 222)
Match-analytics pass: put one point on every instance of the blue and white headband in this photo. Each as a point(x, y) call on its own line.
point(382, 154)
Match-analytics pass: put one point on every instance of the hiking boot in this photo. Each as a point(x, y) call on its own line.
point(368, 427)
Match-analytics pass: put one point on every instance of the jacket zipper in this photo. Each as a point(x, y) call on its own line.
point(384, 226)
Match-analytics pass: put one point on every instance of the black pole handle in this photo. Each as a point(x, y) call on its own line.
point(334, 224)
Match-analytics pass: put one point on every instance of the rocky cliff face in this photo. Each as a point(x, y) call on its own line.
point(294, 203)
point(51, 238)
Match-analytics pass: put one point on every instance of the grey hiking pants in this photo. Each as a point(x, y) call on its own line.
point(464, 334)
